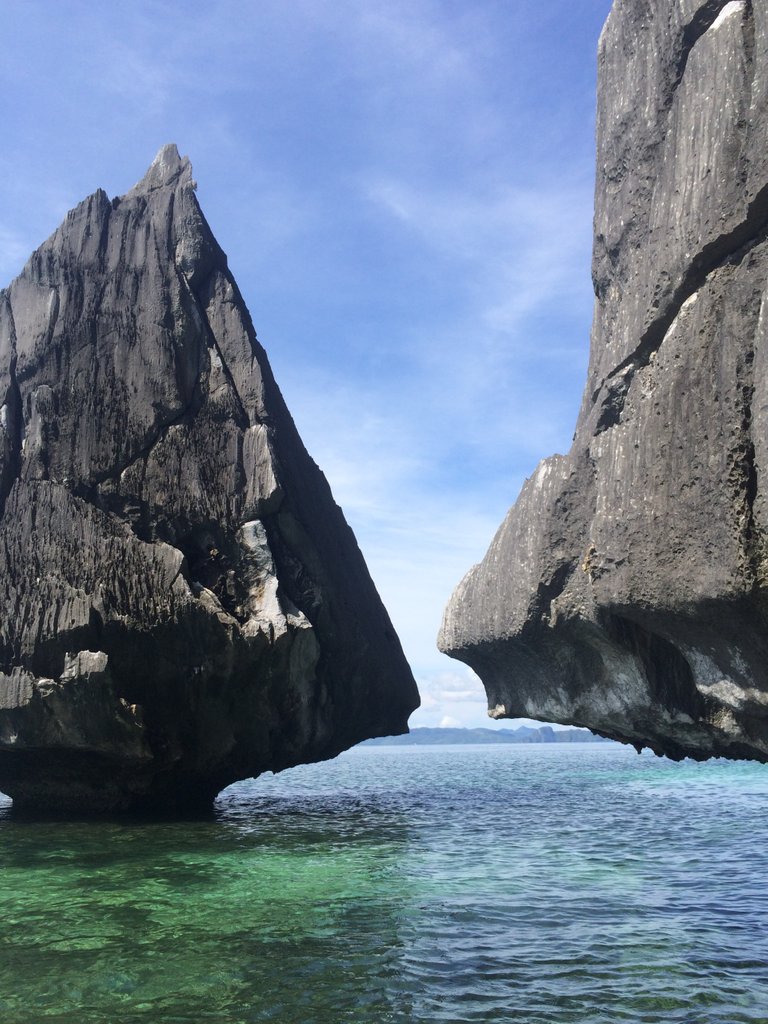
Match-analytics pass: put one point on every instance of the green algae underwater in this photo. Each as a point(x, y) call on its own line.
point(548, 884)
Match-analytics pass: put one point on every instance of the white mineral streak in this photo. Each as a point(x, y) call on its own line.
point(270, 613)
point(84, 663)
point(731, 8)
point(263, 492)
point(541, 474)
point(711, 681)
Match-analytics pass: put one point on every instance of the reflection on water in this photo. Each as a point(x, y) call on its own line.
point(526, 884)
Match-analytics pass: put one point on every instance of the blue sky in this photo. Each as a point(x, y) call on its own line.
point(404, 191)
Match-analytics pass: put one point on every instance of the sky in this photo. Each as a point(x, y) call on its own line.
point(404, 191)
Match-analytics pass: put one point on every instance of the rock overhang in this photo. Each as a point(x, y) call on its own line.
point(625, 590)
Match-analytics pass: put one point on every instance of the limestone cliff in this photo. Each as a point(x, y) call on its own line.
point(183, 604)
point(626, 589)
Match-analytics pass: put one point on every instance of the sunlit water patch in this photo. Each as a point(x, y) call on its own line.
point(535, 885)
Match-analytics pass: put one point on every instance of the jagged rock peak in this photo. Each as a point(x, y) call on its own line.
point(183, 604)
point(627, 588)
point(168, 168)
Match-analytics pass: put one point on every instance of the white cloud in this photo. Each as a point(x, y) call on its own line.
point(418, 537)
point(460, 696)
point(454, 693)
point(454, 696)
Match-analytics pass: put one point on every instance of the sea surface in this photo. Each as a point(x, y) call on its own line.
point(528, 884)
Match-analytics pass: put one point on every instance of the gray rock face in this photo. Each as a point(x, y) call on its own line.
point(183, 604)
point(626, 589)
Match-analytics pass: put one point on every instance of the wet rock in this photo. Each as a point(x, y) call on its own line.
point(183, 604)
point(626, 589)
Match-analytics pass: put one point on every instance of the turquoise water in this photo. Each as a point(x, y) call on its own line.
point(531, 884)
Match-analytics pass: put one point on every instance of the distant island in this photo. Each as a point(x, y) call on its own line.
point(523, 734)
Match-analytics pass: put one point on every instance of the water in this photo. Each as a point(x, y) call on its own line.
point(531, 884)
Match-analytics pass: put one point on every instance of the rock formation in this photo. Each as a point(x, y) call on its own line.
point(183, 604)
point(626, 589)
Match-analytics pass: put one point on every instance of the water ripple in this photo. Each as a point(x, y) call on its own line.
point(575, 885)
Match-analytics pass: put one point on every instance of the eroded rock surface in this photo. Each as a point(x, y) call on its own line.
point(183, 604)
point(626, 589)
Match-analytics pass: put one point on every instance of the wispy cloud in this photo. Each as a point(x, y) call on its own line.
point(455, 697)
point(417, 536)
point(403, 188)
point(426, 459)
point(519, 248)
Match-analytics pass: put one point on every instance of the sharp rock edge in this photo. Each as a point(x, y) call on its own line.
point(626, 589)
point(183, 604)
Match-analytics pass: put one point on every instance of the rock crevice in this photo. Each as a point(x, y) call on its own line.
point(730, 249)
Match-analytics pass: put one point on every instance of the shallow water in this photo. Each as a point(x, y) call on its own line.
point(531, 884)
